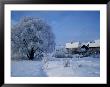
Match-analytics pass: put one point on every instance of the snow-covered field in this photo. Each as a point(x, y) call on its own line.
point(27, 68)
point(78, 67)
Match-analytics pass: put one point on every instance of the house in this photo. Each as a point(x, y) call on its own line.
point(94, 46)
point(75, 47)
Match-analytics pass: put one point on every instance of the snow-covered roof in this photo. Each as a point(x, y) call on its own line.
point(96, 43)
point(73, 45)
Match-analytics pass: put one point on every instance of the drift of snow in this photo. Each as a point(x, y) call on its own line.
point(78, 67)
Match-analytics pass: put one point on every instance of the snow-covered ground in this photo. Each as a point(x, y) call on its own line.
point(27, 68)
point(78, 67)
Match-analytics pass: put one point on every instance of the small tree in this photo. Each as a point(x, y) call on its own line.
point(31, 37)
point(45, 61)
point(67, 63)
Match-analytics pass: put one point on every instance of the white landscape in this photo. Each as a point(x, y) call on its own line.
point(40, 48)
point(77, 67)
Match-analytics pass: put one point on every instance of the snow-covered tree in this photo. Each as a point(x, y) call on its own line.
point(31, 37)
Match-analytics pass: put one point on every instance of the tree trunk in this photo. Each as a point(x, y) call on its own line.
point(31, 54)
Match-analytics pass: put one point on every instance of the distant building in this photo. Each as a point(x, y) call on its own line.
point(74, 47)
point(94, 46)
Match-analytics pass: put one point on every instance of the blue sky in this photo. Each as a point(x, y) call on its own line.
point(67, 25)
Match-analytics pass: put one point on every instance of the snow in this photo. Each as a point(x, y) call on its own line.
point(78, 67)
point(27, 68)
